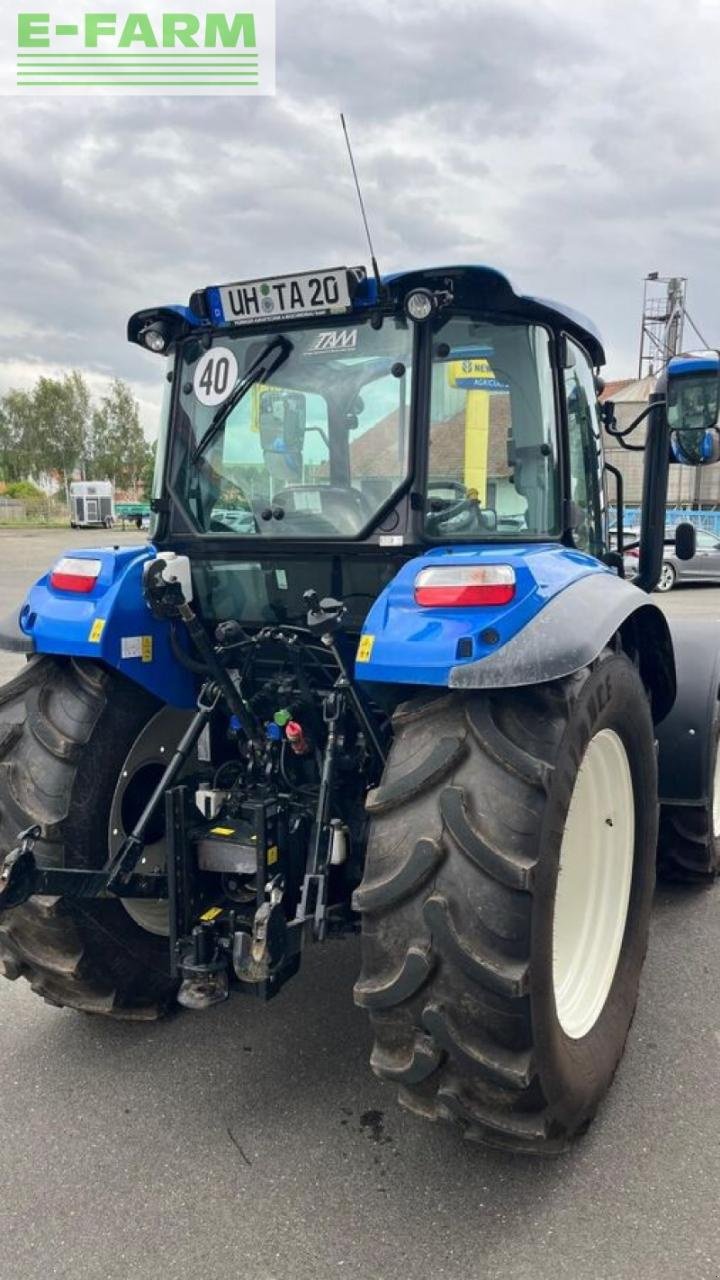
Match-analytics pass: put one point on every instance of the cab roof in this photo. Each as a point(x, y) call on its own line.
point(484, 286)
point(475, 287)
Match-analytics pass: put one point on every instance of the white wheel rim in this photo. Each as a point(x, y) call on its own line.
point(716, 796)
point(152, 748)
point(593, 889)
point(666, 578)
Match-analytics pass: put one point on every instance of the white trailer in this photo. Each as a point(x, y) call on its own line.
point(92, 504)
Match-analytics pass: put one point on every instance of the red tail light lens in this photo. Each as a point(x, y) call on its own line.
point(465, 585)
point(73, 574)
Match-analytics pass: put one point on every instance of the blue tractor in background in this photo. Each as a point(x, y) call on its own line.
point(378, 670)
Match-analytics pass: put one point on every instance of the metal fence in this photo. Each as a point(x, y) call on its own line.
point(44, 510)
point(11, 510)
point(709, 520)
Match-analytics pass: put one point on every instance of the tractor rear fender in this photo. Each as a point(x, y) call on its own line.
point(110, 623)
point(572, 630)
point(566, 608)
point(686, 736)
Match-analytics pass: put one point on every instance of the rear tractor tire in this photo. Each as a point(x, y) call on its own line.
point(506, 902)
point(69, 761)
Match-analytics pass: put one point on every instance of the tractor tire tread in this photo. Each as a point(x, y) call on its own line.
point(420, 863)
point(438, 762)
point(71, 953)
point(460, 1041)
point(687, 850)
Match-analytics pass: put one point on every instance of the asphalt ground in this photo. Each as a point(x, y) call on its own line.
point(254, 1141)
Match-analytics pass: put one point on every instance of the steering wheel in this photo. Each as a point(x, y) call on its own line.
point(464, 513)
point(345, 509)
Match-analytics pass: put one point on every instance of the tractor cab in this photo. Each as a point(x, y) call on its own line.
point(322, 429)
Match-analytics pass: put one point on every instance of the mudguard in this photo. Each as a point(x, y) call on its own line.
point(566, 607)
point(686, 737)
point(111, 624)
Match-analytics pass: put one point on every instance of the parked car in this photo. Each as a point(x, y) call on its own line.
point(703, 567)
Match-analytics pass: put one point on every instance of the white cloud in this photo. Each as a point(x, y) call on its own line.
point(574, 147)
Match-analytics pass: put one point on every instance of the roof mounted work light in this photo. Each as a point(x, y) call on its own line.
point(155, 339)
point(420, 304)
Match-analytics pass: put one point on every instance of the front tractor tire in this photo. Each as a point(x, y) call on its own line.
point(506, 902)
point(67, 730)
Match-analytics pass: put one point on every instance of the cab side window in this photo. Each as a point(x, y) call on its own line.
point(585, 449)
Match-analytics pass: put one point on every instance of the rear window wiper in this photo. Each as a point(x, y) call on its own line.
point(261, 369)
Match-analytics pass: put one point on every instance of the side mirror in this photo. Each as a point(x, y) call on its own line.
point(693, 409)
point(282, 422)
point(695, 448)
point(685, 541)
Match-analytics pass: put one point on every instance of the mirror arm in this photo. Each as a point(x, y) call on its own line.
point(323, 435)
point(614, 434)
point(631, 448)
point(654, 495)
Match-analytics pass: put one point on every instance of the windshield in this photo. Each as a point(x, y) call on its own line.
point(314, 451)
point(493, 468)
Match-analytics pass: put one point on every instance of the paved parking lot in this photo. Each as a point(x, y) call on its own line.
point(27, 553)
point(253, 1140)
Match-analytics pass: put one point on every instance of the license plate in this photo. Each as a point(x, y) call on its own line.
point(286, 297)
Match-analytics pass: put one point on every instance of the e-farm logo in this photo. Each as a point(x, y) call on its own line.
point(165, 48)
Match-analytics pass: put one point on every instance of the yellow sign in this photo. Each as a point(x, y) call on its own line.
point(212, 913)
point(460, 370)
point(96, 631)
point(365, 648)
point(255, 395)
point(146, 648)
point(222, 831)
point(272, 855)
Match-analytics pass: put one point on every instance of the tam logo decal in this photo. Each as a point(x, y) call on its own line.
point(334, 341)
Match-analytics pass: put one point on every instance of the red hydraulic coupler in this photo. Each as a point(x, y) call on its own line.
point(296, 737)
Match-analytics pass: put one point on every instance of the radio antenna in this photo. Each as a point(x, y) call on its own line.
point(373, 259)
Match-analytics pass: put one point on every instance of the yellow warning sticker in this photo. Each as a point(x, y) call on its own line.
point(212, 913)
point(96, 631)
point(146, 648)
point(222, 831)
point(365, 648)
point(272, 855)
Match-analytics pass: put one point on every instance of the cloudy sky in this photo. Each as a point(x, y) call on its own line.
point(576, 146)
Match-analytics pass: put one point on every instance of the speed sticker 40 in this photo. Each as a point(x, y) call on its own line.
point(215, 375)
point(280, 297)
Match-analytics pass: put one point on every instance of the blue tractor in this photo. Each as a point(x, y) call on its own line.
point(378, 670)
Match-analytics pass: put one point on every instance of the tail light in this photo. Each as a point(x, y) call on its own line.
point(633, 552)
point(73, 574)
point(465, 585)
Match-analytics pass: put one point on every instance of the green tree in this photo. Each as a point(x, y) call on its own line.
point(119, 448)
point(16, 423)
point(23, 489)
point(61, 424)
point(148, 472)
point(79, 406)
